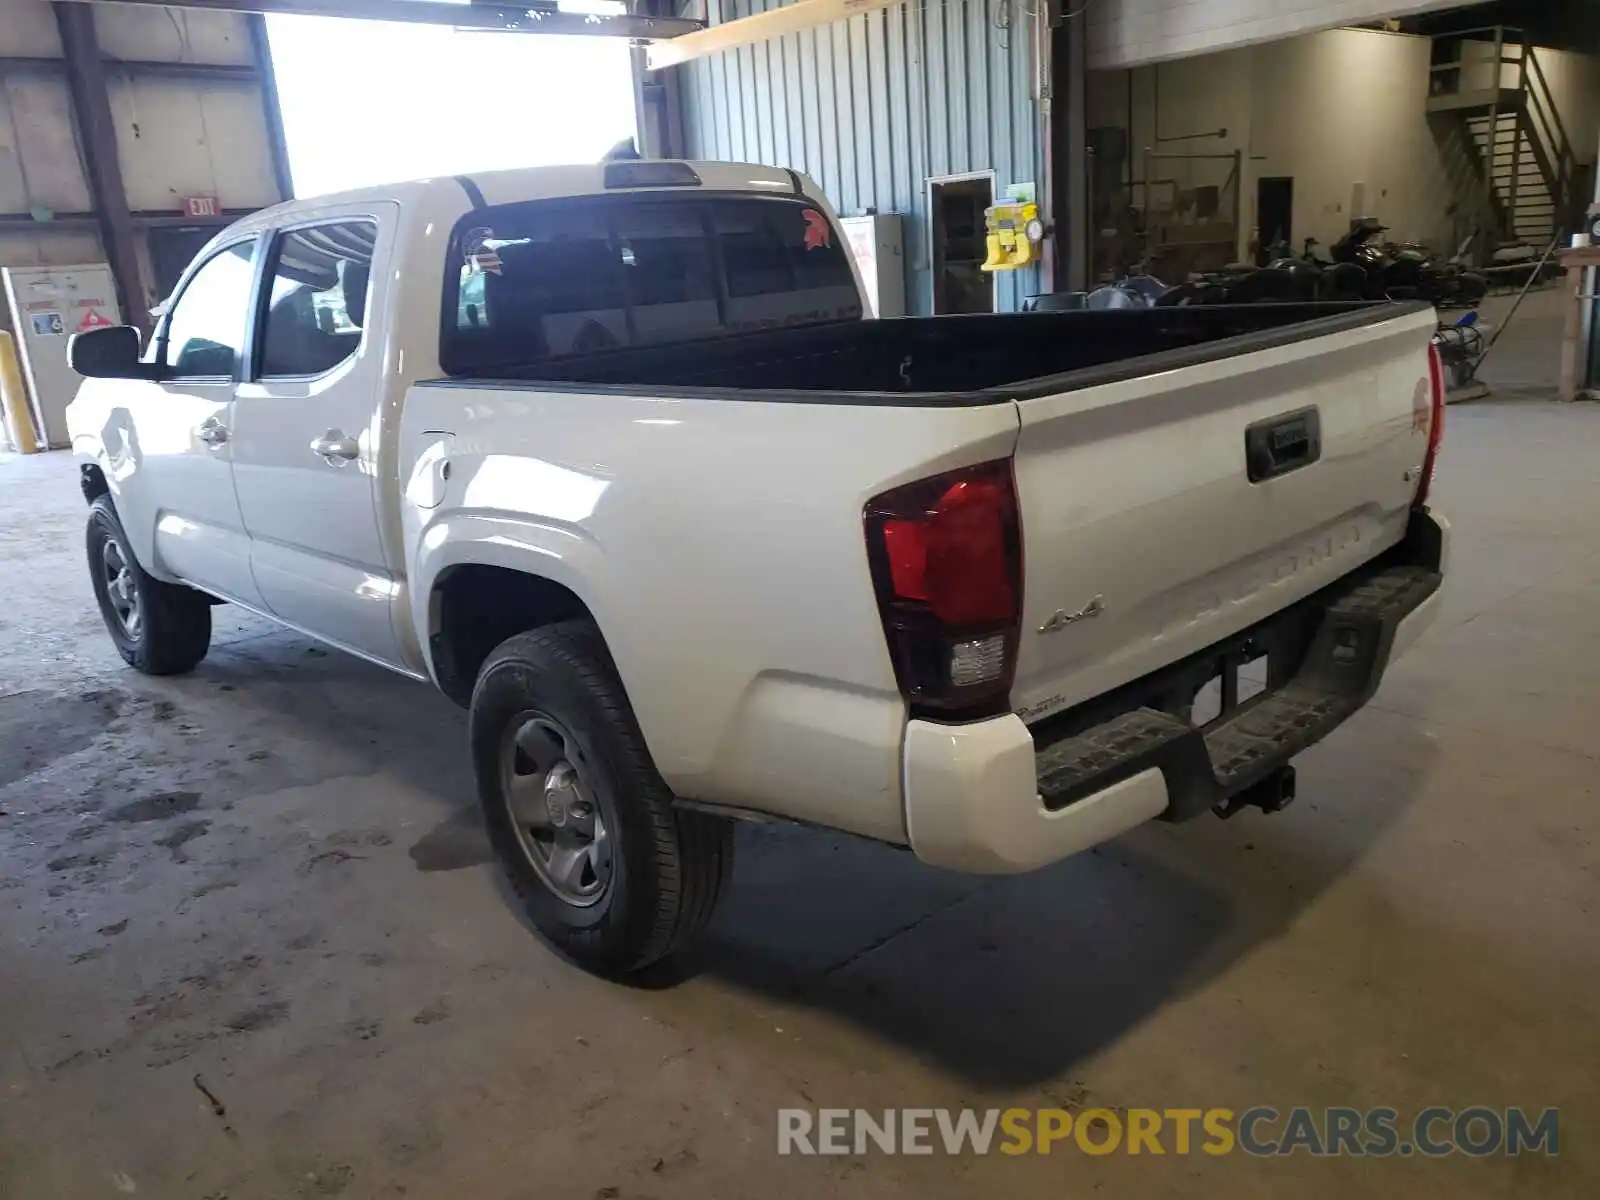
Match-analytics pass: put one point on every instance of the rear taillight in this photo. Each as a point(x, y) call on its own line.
point(946, 558)
point(1433, 415)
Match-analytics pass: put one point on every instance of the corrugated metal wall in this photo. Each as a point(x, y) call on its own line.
point(875, 106)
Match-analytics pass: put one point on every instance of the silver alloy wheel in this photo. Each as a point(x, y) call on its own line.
point(121, 588)
point(554, 809)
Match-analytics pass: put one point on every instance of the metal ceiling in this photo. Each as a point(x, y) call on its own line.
point(1559, 24)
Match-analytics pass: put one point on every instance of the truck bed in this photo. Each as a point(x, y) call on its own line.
point(956, 359)
point(1181, 479)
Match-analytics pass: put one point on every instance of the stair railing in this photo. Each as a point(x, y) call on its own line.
point(1544, 120)
point(1541, 118)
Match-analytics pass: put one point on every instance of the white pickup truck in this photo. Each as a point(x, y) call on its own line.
point(610, 455)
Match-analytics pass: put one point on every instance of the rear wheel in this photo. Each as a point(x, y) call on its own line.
point(586, 830)
point(158, 628)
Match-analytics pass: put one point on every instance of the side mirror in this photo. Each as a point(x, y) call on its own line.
point(109, 353)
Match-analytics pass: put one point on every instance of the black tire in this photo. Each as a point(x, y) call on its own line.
point(667, 867)
point(173, 632)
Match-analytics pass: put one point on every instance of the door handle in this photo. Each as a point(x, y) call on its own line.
point(212, 432)
point(335, 447)
point(1282, 444)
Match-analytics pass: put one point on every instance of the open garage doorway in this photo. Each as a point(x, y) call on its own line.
point(370, 102)
point(958, 242)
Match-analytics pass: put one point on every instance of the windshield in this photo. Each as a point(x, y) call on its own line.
point(557, 277)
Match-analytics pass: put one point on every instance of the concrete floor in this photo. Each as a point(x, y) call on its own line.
point(268, 879)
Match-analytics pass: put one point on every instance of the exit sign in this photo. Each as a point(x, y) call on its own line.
point(201, 206)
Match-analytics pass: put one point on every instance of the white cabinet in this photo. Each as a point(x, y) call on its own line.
point(879, 248)
point(48, 305)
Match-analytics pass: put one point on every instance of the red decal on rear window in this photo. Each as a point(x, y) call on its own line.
point(818, 235)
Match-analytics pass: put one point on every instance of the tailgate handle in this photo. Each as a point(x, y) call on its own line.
point(1282, 444)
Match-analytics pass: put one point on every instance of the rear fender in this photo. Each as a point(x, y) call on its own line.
point(561, 554)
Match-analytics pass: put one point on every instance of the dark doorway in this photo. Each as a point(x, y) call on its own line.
point(960, 244)
point(172, 248)
point(1275, 217)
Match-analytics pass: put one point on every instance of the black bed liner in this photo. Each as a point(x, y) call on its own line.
point(937, 361)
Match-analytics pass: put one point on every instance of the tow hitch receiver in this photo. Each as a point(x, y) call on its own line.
point(1333, 649)
point(1272, 794)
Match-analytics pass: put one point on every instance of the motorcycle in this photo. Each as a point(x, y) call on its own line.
point(1276, 283)
point(1336, 280)
point(1408, 270)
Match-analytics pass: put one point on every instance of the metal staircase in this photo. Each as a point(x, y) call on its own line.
point(1491, 108)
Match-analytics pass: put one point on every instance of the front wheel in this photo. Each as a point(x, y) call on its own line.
point(158, 628)
point(605, 865)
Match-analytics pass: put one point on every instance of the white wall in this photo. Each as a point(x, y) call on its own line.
point(1126, 33)
point(39, 163)
point(1332, 110)
point(1346, 111)
point(177, 138)
point(28, 29)
point(188, 35)
point(47, 248)
point(1171, 105)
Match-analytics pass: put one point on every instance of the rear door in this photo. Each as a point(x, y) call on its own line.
point(305, 433)
point(1163, 513)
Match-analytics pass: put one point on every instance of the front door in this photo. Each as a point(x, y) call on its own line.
point(305, 434)
point(1275, 218)
point(177, 433)
point(960, 244)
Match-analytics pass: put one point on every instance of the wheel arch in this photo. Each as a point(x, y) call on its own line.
point(474, 606)
point(93, 483)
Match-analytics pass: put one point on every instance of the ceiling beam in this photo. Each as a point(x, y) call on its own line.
point(197, 72)
point(97, 142)
point(502, 18)
point(761, 27)
point(271, 108)
point(11, 222)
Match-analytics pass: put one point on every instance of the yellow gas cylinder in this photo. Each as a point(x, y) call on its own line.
point(18, 419)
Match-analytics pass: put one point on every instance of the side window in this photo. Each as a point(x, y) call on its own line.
point(316, 298)
point(206, 327)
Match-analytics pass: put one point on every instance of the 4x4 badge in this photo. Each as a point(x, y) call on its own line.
point(1061, 618)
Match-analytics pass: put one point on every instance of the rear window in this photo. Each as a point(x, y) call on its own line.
point(526, 282)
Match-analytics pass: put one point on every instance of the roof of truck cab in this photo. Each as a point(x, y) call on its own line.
point(452, 195)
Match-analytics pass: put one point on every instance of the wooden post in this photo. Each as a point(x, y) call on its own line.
point(1578, 261)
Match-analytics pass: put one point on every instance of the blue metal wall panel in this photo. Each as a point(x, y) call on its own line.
point(873, 107)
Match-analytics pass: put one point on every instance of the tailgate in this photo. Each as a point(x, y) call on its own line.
point(1163, 513)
